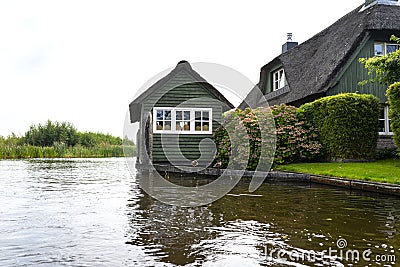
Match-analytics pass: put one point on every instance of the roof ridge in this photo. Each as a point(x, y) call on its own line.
point(323, 31)
point(194, 76)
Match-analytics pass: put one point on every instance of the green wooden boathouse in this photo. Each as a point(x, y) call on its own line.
point(177, 115)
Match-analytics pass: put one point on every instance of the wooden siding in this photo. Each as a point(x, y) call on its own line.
point(188, 147)
point(355, 72)
point(176, 91)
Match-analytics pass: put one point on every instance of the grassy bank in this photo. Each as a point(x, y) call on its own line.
point(60, 151)
point(387, 171)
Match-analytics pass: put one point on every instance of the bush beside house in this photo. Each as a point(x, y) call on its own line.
point(295, 139)
point(239, 141)
point(347, 124)
point(393, 94)
point(386, 70)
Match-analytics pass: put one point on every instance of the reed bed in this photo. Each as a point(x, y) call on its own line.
point(61, 151)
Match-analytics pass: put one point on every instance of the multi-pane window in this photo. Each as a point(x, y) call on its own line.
point(202, 120)
point(278, 79)
point(382, 49)
point(163, 120)
point(384, 121)
point(379, 49)
point(182, 120)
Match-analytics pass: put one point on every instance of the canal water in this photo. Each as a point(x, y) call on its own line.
point(91, 212)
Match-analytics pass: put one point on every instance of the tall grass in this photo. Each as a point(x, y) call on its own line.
point(62, 151)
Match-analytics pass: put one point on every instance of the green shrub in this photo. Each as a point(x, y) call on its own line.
point(386, 153)
point(90, 139)
point(393, 94)
point(347, 124)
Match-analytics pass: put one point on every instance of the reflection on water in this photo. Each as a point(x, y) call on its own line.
point(92, 213)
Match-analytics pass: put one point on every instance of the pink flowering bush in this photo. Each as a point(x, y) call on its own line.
point(250, 136)
point(245, 139)
point(228, 139)
point(296, 140)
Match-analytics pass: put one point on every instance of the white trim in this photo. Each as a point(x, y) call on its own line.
point(278, 82)
point(386, 121)
point(192, 120)
point(384, 48)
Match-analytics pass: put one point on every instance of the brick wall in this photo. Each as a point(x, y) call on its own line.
point(385, 141)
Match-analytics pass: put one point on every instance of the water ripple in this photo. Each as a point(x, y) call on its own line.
point(91, 212)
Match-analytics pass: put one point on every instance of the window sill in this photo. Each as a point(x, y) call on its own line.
point(381, 134)
point(184, 133)
point(277, 93)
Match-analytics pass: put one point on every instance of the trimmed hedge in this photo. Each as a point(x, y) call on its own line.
point(347, 124)
point(393, 94)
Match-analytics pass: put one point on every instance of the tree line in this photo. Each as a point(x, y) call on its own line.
point(51, 133)
point(62, 139)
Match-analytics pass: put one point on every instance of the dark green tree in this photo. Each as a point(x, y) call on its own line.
point(384, 69)
point(52, 132)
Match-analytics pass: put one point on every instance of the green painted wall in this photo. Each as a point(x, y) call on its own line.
point(172, 94)
point(354, 72)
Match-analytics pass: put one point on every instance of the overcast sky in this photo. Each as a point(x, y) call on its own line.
point(83, 61)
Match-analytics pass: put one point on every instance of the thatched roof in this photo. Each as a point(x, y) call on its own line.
point(191, 76)
point(311, 67)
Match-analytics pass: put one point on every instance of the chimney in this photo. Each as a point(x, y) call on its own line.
point(289, 43)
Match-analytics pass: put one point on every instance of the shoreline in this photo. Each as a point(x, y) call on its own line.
point(346, 183)
point(49, 152)
point(55, 158)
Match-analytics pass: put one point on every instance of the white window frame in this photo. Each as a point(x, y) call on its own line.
point(278, 79)
point(192, 121)
point(386, 121)
point(384, 47)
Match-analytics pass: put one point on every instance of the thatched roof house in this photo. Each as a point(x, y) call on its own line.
point(328, 63)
